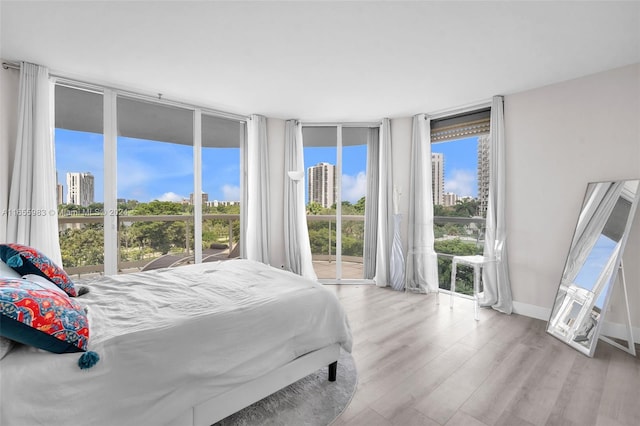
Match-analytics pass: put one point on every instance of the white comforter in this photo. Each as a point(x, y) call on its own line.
point(169, 339)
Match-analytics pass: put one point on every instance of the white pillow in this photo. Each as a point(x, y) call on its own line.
point(43, 282)
point(6, 272)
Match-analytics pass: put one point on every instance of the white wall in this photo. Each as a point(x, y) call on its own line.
point(559, 138)
point(9, 80)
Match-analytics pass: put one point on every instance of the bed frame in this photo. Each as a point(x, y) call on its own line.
point(217, 408)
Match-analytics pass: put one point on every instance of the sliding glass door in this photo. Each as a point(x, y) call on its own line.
point(336, 183)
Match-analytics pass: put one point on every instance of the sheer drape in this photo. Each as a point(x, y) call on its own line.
point(422, 261)
point(243, 190)
point(497, 287)
point(384, 207)
point(296, 233)
point(596, 211)
point(257, 190)
point(371, 204)
point(32, 217)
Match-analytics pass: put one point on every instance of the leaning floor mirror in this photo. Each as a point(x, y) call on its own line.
point(594, 267)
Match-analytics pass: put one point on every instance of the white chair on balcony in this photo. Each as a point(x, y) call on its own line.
point(477, 262)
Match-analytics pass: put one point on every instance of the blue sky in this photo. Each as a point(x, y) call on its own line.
point(149, 170)
point(460, 165)
point(594, 265)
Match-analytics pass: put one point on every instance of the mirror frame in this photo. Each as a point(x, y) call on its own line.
point(613, 274)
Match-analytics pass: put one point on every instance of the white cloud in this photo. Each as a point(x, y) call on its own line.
point(171, 196)
point(354, 187)
point(461, 182)
point(231, 193)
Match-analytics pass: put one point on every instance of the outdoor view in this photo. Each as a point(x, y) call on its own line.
point(156, 203)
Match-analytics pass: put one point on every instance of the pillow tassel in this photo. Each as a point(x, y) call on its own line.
point(88, 360)
point(15, 261)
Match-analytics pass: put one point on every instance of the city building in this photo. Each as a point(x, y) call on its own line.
point(205, 198)
point(216, 203)
point(321, 180)
point(450, 199)
point(437, 177)
point(59, 191)
point(80, 188)
point(483, 174)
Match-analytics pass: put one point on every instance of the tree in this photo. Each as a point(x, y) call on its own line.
point(360, 205)
point(456, 246)
point(81, 247)
point(314, 208)
point(466, 207)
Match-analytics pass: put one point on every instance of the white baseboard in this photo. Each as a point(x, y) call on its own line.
point(531, 311)
point(615, 330)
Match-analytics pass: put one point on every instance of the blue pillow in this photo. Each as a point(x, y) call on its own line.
point(38, 316)
point(27, 260)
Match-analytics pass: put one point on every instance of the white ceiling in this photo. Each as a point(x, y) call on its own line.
point(323, 61)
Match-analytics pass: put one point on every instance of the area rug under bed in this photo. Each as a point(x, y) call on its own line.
point(311, 401)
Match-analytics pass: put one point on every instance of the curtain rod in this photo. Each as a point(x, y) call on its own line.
point(10, 65)
point(459, 110)
point(347, 124)
point(96, 87)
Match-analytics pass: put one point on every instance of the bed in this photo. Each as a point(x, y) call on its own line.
point(179, 346)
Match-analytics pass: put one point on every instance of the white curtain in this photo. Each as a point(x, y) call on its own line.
point(243, 190)
point(371, 204)
point(32, 217)
point(497, 287)
point(257, 247)
point(595, 212)
point(297, 248)
point(422, 261)
point(384, 206)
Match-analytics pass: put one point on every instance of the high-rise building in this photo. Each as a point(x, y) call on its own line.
point(80, 189)
point(437, 177)
point(322, 184)
point(483, 174)
point(450, 199)
point(59, 194)
point(205, 198)
point(59, 191)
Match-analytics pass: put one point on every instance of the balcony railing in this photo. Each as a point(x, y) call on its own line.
point(145, 254)
point(454, 236)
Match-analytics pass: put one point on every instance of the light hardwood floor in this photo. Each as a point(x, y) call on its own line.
point(423, 364)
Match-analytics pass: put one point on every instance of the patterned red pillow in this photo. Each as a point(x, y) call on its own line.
point(27, 260)
point(41, 317)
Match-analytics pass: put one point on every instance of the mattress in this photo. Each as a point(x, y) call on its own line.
point(169, 339)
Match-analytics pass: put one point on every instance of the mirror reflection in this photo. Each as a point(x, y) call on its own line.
point(592, 263)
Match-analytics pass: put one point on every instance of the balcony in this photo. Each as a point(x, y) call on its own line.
point(454, 236)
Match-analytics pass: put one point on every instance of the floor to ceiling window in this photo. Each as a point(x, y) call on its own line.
point(80, 177)
point(221, 187)
point(335, 160)
point(460, 172)
point(144, 183)
point(155, 177)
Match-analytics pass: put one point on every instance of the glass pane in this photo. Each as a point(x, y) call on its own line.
point(80, 179)
point(460, 188)
point(155, 178)
point(320, 159)
point(221, 188)
point(353, 190)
